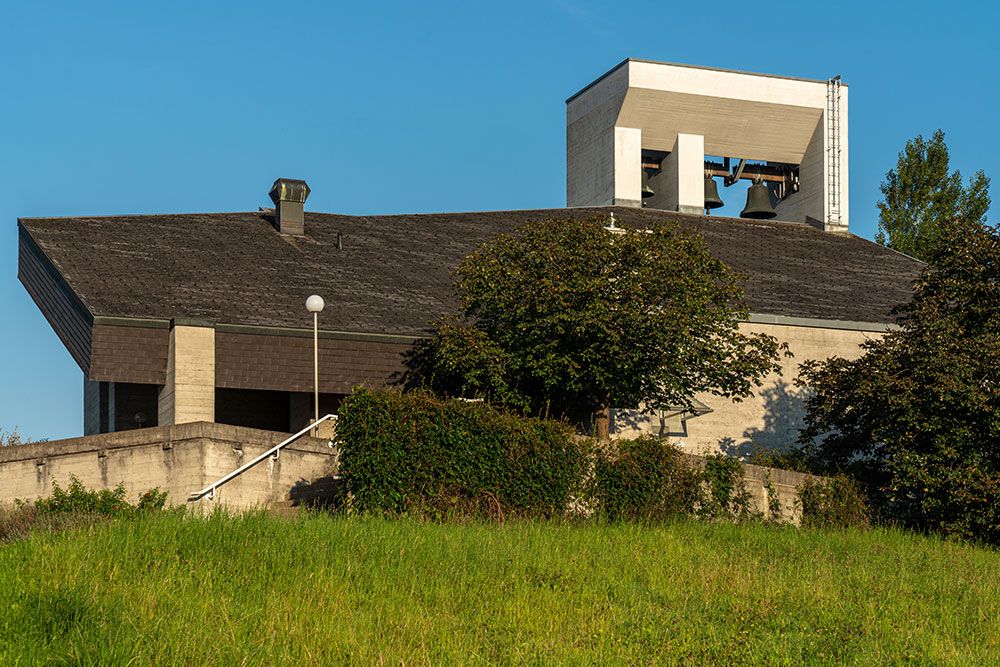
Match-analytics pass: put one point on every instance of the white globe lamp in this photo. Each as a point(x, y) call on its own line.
point(315, 304)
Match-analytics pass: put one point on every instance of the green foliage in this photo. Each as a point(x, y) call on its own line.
point(113, 503)
point(402, 452)
point(921, 196)
point(833, 502)
point(564, 315)
point(73, 507)
point(774, 508)
point(643, 479)
point(727, 497)
point(649, 480)
point(917, 417)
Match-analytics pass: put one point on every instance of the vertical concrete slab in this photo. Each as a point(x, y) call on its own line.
point(680, 184)
point(189, 392)
point(809, 203)
point(628, 167)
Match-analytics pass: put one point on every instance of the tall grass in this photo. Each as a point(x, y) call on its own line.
point(252, 589)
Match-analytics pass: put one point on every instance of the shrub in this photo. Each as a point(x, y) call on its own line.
point(643, 479)
point(726, 496)
point(77, 499)
point(413, 451)
point(834, 502)
point(71, 507)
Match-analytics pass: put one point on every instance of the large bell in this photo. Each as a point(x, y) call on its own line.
point(758, 203)
point(646, 190)
point(711, 193)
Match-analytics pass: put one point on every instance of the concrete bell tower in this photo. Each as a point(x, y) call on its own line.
point(665, 118)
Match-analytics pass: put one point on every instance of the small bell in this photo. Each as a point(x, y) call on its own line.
point(758, 203)
point(646, 190)
point(712, 199)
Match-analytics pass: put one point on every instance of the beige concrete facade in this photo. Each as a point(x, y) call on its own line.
point(773, 417)
point(679, 185)
point(178, 459)
point(739, 115)
point(188, 394)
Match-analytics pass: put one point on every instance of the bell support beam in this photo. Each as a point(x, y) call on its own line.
point(751, 172)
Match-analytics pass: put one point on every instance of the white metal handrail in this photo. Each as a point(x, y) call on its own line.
point(272, 453)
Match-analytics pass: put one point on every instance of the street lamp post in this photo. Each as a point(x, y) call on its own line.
point(314, 305)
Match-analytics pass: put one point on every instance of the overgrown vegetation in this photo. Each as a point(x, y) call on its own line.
point(643, 480)
point(73, 507)
point(418, 454)
point(415, 452)
point(255, 590)
point(564, 317)
point(833, 502)
point(646, 479)
point(104, 502)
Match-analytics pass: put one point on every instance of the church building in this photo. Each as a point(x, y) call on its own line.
point(201, 317)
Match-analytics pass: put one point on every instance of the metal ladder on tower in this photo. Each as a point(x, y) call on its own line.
point(833, 151)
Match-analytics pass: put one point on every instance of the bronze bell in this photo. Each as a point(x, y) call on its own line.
point(646, 190)
point(711, 193)
point(758, 203)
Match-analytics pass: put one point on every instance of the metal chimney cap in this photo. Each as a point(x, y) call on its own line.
point(289, 189)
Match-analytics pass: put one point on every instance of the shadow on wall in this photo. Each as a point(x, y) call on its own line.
point(784, 409)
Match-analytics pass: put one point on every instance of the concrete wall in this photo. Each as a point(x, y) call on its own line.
point(810, 200)
point(179, 459)
point(188, 395)
point(738, 114)
point(771, 419)
point(590, 144)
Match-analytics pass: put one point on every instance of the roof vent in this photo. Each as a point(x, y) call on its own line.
point(288, 195)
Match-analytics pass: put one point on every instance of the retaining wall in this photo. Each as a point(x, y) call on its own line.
point(184, 458)
point(180, 459)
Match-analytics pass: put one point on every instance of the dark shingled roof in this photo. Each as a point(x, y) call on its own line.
point(393, 273)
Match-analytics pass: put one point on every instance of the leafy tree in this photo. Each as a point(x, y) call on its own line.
point(566, 318)
point(918, 415)
point(920, 196)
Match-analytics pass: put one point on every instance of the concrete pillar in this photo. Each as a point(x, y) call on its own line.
point(680, 184)
point(628, 167)
point(189, 392)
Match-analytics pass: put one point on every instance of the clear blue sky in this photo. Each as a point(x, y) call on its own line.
point(141, 107)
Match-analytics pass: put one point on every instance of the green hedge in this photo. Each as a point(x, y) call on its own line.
point(401, 452)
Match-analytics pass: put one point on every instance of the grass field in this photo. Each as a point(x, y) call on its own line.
point(320, 590)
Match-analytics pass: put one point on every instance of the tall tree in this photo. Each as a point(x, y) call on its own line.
point(920, 196)
point(918, 415)
point(566, 317)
